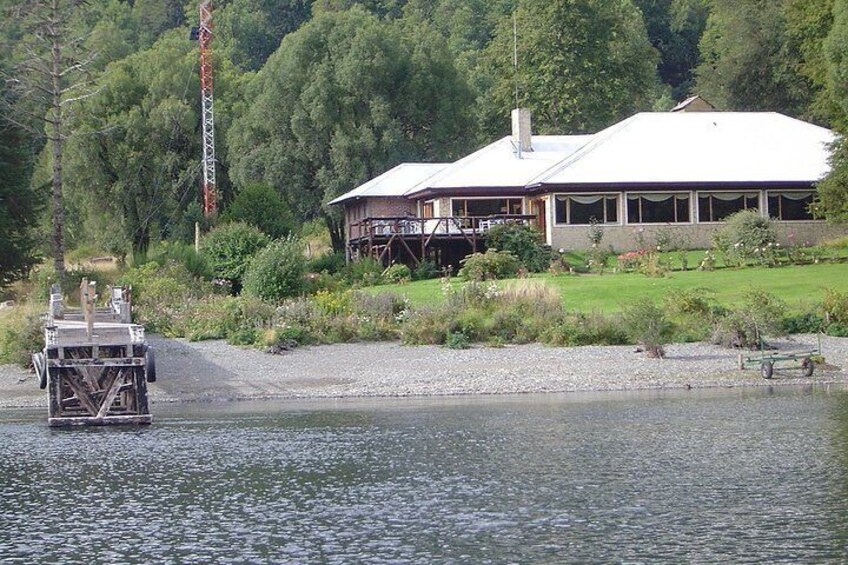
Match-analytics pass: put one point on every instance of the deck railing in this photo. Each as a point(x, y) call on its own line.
point(449, 226)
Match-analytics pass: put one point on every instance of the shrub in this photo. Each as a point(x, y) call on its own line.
point(21, 334)
point(580, 329)
point(746, 325)
point(330, 262)
point(174, 252)
point(426, 327)
point(523, 241)
point(489, 265)
point(277, 271)
point(397, 273)
point(805, 323)
point(457, 340)
point(425, 270)
point(746, 234)
point(261, 206)
point(366, 271)
point(44, 277)
point(229, 249)
point(162, 295)
point(646, 324)
point(835, 306)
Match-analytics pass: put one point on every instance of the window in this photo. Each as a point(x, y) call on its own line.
point(716, 206)
point(465, 207)
point(790, 205)
point(427, 210)
point(582, 210)
point(658, 208)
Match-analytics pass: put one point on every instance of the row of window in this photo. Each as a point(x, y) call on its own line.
point(671, 208)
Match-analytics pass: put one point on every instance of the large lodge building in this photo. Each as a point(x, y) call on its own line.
point(682, 171)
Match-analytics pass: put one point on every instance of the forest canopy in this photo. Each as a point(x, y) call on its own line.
point(315, 97)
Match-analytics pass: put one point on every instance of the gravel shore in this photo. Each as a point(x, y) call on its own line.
point(213, 370)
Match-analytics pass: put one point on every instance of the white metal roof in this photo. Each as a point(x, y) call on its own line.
point(394, 182)
point(710, 147)
point(498, 164)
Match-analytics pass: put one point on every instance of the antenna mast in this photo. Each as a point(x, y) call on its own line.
point(210, 194)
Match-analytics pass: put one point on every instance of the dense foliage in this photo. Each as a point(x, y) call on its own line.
point(314, 97)
point(230, 248)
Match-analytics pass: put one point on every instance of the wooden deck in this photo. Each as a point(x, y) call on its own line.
point(409, 240)
point(95, 364)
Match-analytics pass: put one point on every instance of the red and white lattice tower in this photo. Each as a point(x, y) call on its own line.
point(210, 194)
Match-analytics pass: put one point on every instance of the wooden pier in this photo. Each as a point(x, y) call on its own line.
point(95, 363)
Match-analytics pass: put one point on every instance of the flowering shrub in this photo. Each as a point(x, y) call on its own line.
point(489, 265)
point(631, 260)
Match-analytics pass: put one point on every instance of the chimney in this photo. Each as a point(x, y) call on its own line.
point(521, 132)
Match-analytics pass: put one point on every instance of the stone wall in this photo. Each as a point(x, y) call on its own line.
point(695, 236)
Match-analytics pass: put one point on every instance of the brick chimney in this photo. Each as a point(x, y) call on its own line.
point(521, 132)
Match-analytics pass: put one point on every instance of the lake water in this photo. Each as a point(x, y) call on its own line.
point(754, 475)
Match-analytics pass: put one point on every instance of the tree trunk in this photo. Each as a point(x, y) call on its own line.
point(336, 229)
point(58, 239)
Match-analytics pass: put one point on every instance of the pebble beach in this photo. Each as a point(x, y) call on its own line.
point(215, 371)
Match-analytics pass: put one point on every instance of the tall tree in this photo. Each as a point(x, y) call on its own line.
point(344, 98)
point(248, 31)
point(833, 191)
point(582, 65)
point(143, 172)
point(674, 29)
point(808, 23)
point(745, 61)
point(52, 73)
point(18, 205)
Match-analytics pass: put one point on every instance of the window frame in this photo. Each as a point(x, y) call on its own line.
point(467, 198)
point(758, 193)
point(770, 193)
point(674, 194)
point(616, 196)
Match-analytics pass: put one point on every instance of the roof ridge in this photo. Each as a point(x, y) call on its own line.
point(597, 140)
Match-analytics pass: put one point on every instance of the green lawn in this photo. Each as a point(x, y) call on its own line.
point(798, 286)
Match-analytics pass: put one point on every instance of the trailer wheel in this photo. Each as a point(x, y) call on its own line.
point(150, 365)
point(40, 366)
point(807, 367)
point(767, 369)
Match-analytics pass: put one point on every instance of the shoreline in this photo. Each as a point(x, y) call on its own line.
point(211, 371)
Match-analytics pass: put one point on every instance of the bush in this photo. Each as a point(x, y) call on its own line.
point(397, 274)
point(646, 324)
point(523, 241)
point(261, 206)
point(21, 334)
point(44, 277)
point(366, 271)
point(746, 325)
point(277, 271)
point(489, 265)
point(803, 323)
point(835, 306)
point(457, 340)
point(745, 235)
point(580, 329)
point(174, 252)
point(229, 249)
point(425, 270)
point(426, 327)
point(331, 262)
